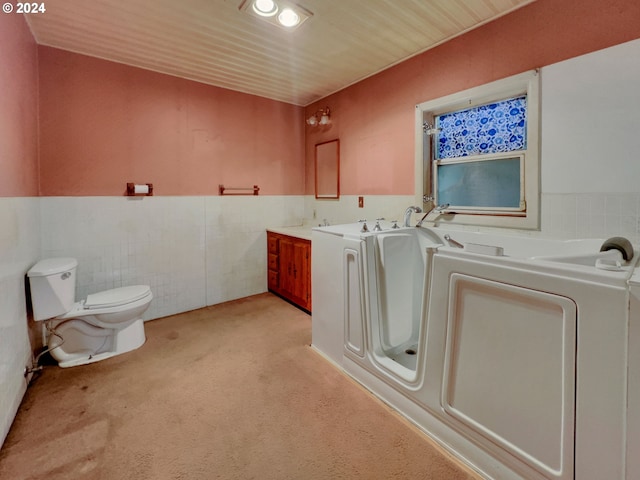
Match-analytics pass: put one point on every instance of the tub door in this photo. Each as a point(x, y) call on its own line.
point(509, 373)
point(354, 298)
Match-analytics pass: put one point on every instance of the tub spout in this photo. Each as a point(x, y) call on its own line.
point(407, 214)
point(438, 209)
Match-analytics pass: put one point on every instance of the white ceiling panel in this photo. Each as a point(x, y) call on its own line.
point(214, 42)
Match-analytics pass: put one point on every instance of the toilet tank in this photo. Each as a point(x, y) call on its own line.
point(53, 287)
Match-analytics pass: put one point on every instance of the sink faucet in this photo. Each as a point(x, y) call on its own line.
point(438, 208)
point(407, 214)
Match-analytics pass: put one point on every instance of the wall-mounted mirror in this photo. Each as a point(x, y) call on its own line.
point(328, 169)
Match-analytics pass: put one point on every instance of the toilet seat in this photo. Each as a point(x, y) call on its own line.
point(116, 297)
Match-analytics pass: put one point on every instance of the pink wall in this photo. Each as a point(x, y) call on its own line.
point(18, 108)
point(374, 119)
point(104, 124)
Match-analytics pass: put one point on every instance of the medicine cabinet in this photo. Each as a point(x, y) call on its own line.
point(327, 169)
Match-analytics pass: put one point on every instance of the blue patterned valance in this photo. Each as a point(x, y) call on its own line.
point(491, 128)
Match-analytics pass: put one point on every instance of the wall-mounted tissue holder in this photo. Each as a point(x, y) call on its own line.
point(134, 189)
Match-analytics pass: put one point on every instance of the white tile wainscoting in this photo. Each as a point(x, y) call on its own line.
point(591, 215)
point(346, 210)
point(198, 251)
point(563, 215)
point(191, 251)
point(19, 250)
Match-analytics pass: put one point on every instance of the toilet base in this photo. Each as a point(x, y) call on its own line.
point(121, 341)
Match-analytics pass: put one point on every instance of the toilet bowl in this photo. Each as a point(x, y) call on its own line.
point(105, 324)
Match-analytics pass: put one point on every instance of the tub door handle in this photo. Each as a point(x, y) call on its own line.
point(453, 242)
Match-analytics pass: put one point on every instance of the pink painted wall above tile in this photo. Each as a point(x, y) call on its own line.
point(374, 118)
point(104, 124)
point(18, 108)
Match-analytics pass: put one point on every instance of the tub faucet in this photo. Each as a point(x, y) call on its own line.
point(407, 214)
point(439, 209)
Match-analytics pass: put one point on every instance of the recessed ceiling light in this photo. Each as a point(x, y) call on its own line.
point(281, 13)
point(288, 18)
point(265, 8)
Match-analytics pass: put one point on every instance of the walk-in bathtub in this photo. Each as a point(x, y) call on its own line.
point(512, 352)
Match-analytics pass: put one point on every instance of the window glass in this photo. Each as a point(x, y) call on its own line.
point(490, 184)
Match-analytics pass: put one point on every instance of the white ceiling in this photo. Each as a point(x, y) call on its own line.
point(213, 42)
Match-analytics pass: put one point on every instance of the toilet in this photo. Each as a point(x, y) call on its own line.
point(103, 325)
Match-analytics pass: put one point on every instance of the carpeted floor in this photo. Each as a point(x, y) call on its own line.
point(231, 391)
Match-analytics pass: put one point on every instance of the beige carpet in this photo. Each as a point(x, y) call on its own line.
point(227, 392)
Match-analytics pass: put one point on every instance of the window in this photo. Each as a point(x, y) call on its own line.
point(478, 153)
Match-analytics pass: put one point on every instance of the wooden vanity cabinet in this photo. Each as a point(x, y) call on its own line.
point(289, 268)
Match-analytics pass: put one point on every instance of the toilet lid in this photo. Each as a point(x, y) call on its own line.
point(116, 296)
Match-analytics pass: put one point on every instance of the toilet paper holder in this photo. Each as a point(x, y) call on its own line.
point(137, 189)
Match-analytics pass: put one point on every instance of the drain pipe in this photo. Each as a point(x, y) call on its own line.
point(29, 370)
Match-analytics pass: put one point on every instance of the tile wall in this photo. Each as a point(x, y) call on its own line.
point(563, 215)
point(191, 251)
point(198, 251)
point(591, 215)
point(346, 210)
point(19, 249)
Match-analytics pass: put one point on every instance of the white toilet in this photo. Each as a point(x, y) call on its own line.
point(106, 324)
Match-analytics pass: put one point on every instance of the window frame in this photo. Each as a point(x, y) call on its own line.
point(527, 83)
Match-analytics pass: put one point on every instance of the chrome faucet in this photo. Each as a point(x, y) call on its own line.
point(407, 214)
point(378, 228)
point(438, 208)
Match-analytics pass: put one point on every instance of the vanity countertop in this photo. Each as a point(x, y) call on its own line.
point(300, 231)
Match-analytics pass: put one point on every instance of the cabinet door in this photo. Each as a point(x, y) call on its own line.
point(302, 272)
point(286, 259)
point(289, 267)
point(307, 276)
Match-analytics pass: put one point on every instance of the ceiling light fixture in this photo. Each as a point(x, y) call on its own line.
point(265, 8)
point(289, 18)
point(289, 15)
point(321, 117)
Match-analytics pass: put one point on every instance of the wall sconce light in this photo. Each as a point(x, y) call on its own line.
point(321, 117)
point(277, 12)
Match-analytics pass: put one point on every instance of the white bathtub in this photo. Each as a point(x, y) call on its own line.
point(512, 352)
